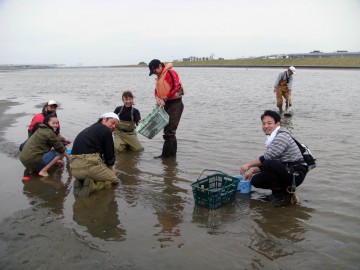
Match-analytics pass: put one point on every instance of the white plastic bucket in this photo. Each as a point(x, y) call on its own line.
point(244, 186)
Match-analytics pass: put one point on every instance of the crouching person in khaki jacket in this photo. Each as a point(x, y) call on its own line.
point(93, 157)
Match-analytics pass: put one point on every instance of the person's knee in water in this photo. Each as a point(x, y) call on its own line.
point(272, 169)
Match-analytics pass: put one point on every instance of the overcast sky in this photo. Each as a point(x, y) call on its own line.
point(117, 32)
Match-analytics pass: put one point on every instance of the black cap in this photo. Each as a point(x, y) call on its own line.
point(153, 64)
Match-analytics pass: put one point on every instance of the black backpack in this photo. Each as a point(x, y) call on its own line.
point(310, 160)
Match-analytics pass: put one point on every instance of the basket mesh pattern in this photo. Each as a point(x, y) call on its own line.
point(215, 190)
point(153, 123)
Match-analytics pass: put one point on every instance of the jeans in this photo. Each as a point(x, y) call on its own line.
point(47, 158)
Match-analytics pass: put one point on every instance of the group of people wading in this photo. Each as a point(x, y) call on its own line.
point(92, 157)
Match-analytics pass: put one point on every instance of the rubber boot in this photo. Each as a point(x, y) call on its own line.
point(100, 185)
point(167, 149)
point(77, 187)
point(86, 189)
point(90, 186)
point(174, 147)
point(277, 196)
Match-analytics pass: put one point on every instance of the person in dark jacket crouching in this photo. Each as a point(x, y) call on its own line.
point(93, 157)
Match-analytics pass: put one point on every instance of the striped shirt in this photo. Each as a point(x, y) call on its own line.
point(283, 148)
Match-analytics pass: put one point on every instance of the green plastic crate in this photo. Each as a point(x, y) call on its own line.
point(153, 123)
point(214, 190)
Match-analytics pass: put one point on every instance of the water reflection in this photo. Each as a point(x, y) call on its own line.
point(214, 220)
point(279, 228)
point(99, 214)
point(129, 176)
point(286, 121)
point(169, 210)
point(50, 190)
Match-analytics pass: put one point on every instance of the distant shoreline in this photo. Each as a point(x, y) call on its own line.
point(2, 70)
point(311, 63)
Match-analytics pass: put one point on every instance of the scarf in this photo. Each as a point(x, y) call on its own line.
point(271, 137)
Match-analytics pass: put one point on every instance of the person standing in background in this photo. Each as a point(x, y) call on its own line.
point(168, 94)
point(283, 88)
point(125, 135)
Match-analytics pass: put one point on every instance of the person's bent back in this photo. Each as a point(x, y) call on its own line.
point(93, 157)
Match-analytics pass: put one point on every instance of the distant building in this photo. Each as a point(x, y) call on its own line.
point(319, 54)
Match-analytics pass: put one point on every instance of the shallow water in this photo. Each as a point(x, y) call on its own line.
point(150, 218)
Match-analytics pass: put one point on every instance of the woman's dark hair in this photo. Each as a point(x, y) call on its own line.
point(127, 94)
point(272, 114)
point(46, 121)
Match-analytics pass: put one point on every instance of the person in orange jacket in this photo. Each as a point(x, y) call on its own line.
point(168, 94)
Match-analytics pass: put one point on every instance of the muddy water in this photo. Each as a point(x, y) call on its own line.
point(150, 218)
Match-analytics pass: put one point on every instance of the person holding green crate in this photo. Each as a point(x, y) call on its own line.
point(168, 94)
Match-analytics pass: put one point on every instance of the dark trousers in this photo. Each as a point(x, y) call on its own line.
point(174, 109)
point(277, 176)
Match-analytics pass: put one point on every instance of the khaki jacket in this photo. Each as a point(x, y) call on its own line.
point(38, 144)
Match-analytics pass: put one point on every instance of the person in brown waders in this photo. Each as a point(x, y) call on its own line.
point(168, 94)
point(283, 88)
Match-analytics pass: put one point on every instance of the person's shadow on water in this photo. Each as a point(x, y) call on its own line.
point(278, 228)
point(48, 192)
point(128, 175)
point(98, 213)
point(169, 207)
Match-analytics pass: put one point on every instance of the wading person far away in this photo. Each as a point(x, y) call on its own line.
point(92, 156)
point(283, 88)
point(281, 161)
point(168, 94)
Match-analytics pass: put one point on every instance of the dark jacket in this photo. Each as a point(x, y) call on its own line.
point(95, 139)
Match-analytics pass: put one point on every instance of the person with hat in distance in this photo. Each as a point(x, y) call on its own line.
point(93, 157)
point(168, 94)
point(49, 108)
point(281, 163)
point(283, 88)
point(44, 148)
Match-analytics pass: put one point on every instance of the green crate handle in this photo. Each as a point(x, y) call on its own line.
point(210, 171)
point(225, 174)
